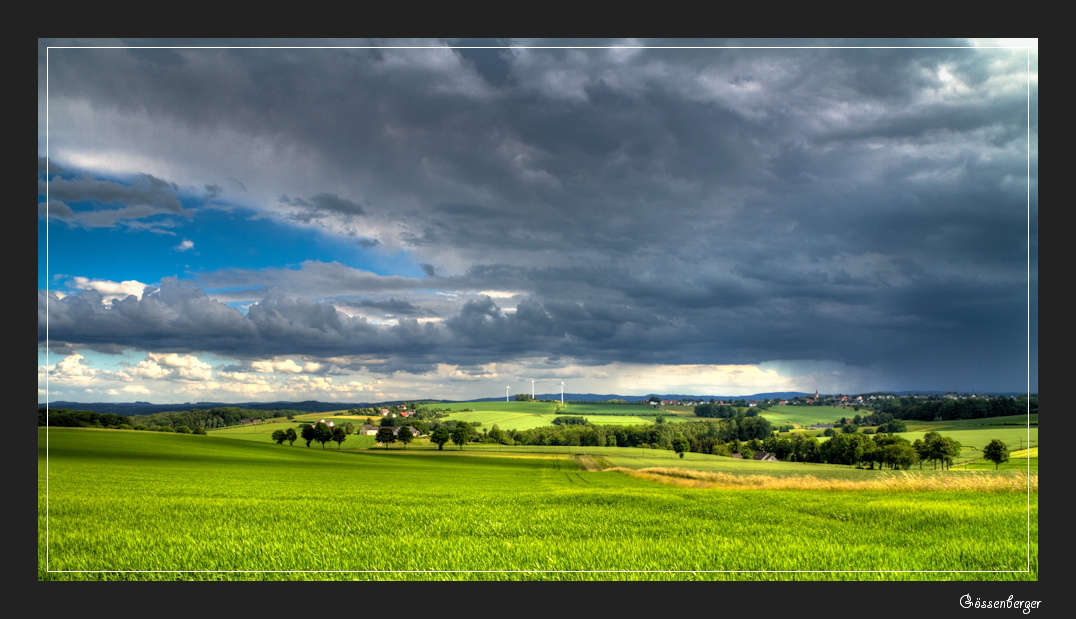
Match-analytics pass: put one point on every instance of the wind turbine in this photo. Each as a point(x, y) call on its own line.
point(532, 389)
point(506, 388)
point(562, 392)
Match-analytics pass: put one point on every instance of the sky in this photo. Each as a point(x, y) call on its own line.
point(374, 220)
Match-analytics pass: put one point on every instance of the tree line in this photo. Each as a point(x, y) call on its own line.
point(208, 419)
point(947, 409)
point(576, 431)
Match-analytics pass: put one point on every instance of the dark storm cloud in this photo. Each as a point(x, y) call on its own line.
point(145, 189)
point(46, 166)
point(390, 306)
point(673, 206)
point(323, 205)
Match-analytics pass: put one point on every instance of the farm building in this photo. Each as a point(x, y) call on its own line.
point(765, 456)
point(368, 429)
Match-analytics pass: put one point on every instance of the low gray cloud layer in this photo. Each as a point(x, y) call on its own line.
point(861, 206)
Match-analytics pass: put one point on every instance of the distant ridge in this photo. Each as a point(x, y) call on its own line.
point(313, 406)
point(146, 408)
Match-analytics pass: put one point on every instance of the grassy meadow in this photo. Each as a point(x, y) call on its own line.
point(514, 415)
point(117, 504)
point(807, 415)
point(973, 441)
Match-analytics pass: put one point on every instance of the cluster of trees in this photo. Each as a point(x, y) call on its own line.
point(939, 408)
point(91, 419)
point(205, 419)
point(569, 420)
point(319, 432)
point(869, 419)
point(285, 435)
point(896, 451)
point(576, 431)
point(459, 432)
point(75, 419)
point(388, 434)
point(851, 448)
point(721, 411)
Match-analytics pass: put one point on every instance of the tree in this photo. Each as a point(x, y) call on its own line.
point(920, 448)
point(349, 428)
point(280, 436)
point(404, 436)
point(183, 430)
point(440, 435)
point(893, 426)
point(385, 435)
point(322, 433)
point(680, 445)
point(932, 447)
point(950, 451)
point(461, 433)
point(900, 455)
point(499, 435)
point(940, 448)
point(307, 432)
point(291, 435)
point(339, 436)
point(997, 452)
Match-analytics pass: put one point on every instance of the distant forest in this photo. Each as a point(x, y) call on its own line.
point(146, 408)
point(942, 408)
point(205, 419)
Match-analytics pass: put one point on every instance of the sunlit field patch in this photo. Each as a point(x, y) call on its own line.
point(901, 481)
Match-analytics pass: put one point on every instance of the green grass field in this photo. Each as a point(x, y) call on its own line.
point(1019, 460)
point(119, 504)
point(526, 415)
point(972, 441)
point(807, 415)
point(535, 408)
point(1011, 421)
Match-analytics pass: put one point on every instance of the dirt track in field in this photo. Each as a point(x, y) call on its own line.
point(587, 462)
